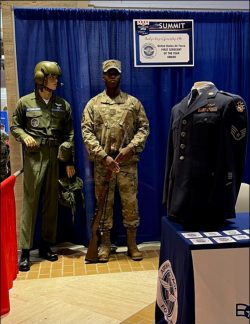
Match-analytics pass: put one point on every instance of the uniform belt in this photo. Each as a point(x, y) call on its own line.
point(50, 141)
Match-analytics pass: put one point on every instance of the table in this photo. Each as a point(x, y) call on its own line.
point(203, 276)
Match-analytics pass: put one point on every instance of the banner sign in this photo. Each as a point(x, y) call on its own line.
point(163, 42)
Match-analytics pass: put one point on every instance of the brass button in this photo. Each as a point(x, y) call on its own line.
point(182, 146)
point(182, 157)
point(183, 134)
point(184, 122)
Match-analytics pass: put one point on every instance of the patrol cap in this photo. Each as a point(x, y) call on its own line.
point(111, 64)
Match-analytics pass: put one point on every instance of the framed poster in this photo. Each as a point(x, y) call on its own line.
point(163, 42)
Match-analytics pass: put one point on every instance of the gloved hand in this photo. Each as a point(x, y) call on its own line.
point(124, 154)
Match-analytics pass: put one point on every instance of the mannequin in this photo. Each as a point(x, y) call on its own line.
point(205, 159)
point(202, 84)
point(197, 89)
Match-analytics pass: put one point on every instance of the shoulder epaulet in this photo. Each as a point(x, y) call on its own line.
point(238, 101)
point(235, 96)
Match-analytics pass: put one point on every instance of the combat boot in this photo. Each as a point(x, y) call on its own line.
point(105, 247)
point(133, 251)
point(24, 262)
point(46, 253)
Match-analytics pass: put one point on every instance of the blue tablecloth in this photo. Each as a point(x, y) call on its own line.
point(175, 289)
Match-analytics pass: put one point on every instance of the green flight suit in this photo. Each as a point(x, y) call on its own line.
point(49, 124)
point(107, 125)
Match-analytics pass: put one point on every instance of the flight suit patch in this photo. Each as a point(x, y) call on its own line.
point(33, 109)
point(238, 134)
point(34, 122)
point(57, 109)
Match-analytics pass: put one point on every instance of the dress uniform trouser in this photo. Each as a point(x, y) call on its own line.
point(40, 179)
point(127, 182)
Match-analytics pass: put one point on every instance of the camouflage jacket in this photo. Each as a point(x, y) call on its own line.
point(109, 124)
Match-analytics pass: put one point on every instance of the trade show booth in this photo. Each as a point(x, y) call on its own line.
point(81, 39)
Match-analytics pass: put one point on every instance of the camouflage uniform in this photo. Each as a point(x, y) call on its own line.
point(107, 125)
point(50, 125)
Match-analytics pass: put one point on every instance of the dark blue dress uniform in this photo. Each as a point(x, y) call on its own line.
point(206, 156)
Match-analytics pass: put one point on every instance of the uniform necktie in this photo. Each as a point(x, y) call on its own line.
point(194, 95)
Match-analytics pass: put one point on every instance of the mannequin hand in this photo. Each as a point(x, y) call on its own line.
point(124, 154)
point(30, 142)
point(111, 164)
point(70, 170)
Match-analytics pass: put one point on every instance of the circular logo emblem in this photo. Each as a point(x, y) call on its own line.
point(34, 122)
point(148, 50)
point(240, 106)
point(247, 312)
point(167, 293)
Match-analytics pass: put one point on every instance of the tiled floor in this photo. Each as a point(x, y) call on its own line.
point(144, 316)
point(71, 264)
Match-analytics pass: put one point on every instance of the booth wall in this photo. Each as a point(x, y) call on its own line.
point(80, 39)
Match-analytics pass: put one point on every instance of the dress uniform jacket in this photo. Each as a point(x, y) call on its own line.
point(206, 155)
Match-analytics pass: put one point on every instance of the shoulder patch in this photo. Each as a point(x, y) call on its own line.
point(240, 106)
point(238, 134)
point(238, 101)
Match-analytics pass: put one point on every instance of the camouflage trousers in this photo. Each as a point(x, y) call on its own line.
point(127, 182)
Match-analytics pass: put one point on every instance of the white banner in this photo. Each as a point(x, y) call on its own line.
point(221, 279)
point(163, 42)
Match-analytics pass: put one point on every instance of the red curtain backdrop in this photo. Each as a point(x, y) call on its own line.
point(8, 246)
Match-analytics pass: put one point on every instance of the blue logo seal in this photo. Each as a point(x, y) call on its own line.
point(148, 50)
